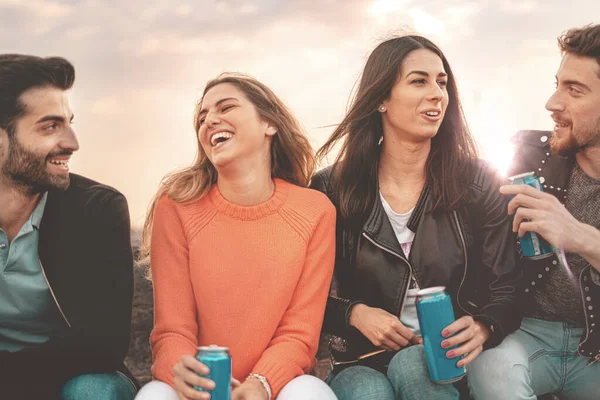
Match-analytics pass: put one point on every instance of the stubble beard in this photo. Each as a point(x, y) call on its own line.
point(28, 172)
point(569, 146)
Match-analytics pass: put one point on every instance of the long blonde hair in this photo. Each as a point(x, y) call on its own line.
point(292, 157)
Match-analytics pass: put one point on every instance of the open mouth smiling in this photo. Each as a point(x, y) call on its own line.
point(218, 138)
point(62, 164)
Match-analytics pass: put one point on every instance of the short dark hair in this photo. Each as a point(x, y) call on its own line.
point(19, 73)
point(583, 41)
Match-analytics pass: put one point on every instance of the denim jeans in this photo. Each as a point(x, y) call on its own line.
point(407, 379)
point(540, 357)
point(113, 386)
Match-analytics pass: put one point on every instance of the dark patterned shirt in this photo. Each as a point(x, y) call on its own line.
point(559, 297)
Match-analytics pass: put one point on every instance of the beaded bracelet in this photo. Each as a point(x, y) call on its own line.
point(264, 382)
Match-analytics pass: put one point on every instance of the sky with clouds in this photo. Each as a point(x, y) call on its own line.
point(142, 64)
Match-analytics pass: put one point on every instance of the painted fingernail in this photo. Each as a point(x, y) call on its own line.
point(460, 364)
point(445, 344)
point(450, 354)
point(445, 333)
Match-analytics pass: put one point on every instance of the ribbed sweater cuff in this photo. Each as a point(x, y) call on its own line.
point(277, 372)
point(163, 375)
point(166, 355)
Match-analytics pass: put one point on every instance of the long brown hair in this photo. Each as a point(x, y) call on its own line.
point(354, 174)
point(292, 157)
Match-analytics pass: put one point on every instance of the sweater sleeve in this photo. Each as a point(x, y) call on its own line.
point(293, 347)
point(175, 319)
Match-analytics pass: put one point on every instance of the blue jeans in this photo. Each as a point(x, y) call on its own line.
point(113, 386)
point(540, 357)
point(407, 379)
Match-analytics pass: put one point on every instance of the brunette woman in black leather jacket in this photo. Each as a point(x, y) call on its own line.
point(416, 209)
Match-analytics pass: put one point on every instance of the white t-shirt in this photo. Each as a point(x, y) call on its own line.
point(408, 315)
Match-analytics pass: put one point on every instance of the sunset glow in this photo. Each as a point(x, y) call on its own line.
point(142, 64)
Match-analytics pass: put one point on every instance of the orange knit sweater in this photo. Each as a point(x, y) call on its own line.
point(254, 279)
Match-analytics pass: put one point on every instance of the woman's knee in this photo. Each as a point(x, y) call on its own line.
point(306, 387)
point(362, 383)
point(408, 365)
point(156, 390)
point(410, 379)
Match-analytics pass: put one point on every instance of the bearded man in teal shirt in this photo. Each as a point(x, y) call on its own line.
point(65, 255)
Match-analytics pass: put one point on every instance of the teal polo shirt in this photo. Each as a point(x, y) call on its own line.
point(28, 313)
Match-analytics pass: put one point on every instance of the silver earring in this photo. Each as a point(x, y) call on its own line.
point(380, 141)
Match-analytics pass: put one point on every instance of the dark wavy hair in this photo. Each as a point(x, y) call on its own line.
point(19, 73)
point(354, 174)
point(582, 41)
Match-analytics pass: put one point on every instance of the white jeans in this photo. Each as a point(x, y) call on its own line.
point(304, 387)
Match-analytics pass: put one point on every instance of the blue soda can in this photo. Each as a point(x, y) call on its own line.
point(435, 312)
point(217, 359)
point(533, 245)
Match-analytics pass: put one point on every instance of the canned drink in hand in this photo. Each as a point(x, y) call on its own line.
point(218, 361)
point(533, 245)
point(435, 312)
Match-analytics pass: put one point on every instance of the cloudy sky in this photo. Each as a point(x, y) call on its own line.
point(141, 65)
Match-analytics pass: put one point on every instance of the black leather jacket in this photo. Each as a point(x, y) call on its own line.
point(532, 153)
point(85, 253)
point(471, 251)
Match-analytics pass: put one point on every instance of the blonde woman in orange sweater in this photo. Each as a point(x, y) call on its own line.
point(241, 252)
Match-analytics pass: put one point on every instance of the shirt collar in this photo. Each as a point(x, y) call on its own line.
point(38, 212)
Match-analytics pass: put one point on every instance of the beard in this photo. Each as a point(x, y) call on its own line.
point(576, 141)
point(28, 170)
point(564, 147)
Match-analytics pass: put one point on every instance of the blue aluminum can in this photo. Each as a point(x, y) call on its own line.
point(533, 245)
point(217, 359)
point(435, 312)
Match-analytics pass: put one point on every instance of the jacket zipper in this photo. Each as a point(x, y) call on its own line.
point(594, 360)
point(587, 327)
point(52, 293)
point(410, 274)
point(462, 239)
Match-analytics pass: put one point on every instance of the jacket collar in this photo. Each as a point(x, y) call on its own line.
point(378, 225)
point(38, 212)
point(553, 170)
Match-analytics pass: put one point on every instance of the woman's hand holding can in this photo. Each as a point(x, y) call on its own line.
point(469, 335)
point(186, 377)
